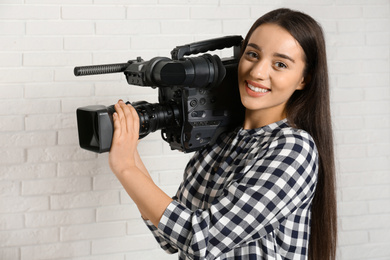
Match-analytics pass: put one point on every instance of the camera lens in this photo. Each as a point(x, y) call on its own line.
point(157, 116)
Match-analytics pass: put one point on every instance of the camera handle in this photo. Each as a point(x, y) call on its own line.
point(208, 45)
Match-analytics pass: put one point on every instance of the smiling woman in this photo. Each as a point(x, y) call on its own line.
point(270, 70)
point(266, 189)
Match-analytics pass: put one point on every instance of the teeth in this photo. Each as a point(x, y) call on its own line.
point(255, 89)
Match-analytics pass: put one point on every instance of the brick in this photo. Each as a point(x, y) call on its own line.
point(346, 238)
point(171, 177)
point(28, 236)
point(117, 89)
point(56, 250)
point(191, 27)
point(29, 106)
point(380, 206)
point(93, 231)
point(11, 221)
point(382, 149)
point(136, 227)
point(39, 12)
point(11, 123)
point(70, 105)
point(351, 25)
point(151, 255)
point(150, 148)
point(28, 139)
point(376, 25)
point(164, 42)
point(220, 12)
point(18, 75)
point(9, 188)
point(10, 60)
point(59, 90)
point(129, 27)
point(27, 171)
point(22, 204)
point(117, 213)
point(50, 121)
point(126, 2)
point(56, 186)
point(378, 38)
point(123, 244)
point(68, 137)
point(59, 218)
point(344, 39)
point(364, 179)
point(54, 59)
point(379, 236)
point(351, 151)
point(366, 222)
point(83, 168)
point(37, 27)
point(354, 208)
point(57, 2)
point(84, 199)
point(176, 12)
point(348, 123)
point(57, 153)
point(9, 253)
point(88, 12)
point(376, 11)
point(365, 193)
point(97, 43)
point(12, 28)
point(31, 43)
point(106, 182)
point(191, 2)
point(66, 74)
point(365, 53)
point(14, 92)
point(378, 93)
point(365, 251)
point(12, 155)
point(236, 27)
point(166, 162)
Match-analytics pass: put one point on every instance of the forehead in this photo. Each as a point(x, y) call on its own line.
point(273, 38)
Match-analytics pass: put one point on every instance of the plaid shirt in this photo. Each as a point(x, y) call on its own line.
point(246, 197)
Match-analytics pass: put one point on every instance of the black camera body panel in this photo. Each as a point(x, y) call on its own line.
point(206, 112)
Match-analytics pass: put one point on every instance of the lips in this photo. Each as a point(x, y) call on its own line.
point(255, 89)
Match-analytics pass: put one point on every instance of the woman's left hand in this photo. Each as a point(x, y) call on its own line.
point(125, 138)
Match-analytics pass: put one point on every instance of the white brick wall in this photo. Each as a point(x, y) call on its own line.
point(60, 202)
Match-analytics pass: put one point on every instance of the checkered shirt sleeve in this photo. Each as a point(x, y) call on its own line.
point(247, 197)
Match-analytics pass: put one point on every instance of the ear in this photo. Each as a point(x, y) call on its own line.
point(304, 81)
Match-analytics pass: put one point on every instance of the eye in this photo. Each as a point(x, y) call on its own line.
point(251, 55)
point(280, 65)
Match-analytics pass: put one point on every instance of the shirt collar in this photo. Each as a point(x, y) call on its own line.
point(261, 130)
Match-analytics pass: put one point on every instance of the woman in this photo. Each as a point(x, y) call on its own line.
point(265, 190)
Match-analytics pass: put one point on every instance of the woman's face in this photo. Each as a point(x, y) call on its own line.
point(269, 71)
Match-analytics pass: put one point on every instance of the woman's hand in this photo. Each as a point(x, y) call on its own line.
point(125, 162)
point(125, 138)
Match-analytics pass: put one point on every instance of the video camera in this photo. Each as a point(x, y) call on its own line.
point(198, 97)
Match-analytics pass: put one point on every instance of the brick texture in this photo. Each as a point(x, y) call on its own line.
point(58, 201)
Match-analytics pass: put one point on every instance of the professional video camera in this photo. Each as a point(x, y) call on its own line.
point(198, 97)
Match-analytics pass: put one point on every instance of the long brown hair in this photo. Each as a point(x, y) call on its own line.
point(309, 109)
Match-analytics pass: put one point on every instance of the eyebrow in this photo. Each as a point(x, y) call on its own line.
point(280, 55)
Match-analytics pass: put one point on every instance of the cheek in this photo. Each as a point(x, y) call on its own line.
point(241, 69)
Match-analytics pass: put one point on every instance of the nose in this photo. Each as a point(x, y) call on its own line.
point(260, 70)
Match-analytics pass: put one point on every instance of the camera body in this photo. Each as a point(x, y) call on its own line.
point(198, 97)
